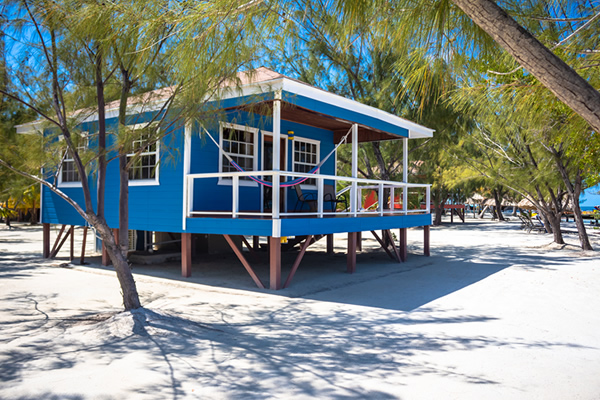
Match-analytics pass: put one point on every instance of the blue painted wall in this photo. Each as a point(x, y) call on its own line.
point(159, 207)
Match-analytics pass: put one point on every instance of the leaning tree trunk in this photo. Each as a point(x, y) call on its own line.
point(549, 69)
point(131, 299)
point(482, 213)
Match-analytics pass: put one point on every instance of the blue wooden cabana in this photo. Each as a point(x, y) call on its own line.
point(277, 130)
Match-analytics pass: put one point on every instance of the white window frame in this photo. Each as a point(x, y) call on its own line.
point(293, 151)
point(146, 182)
point(86, 137)
point(254, 131)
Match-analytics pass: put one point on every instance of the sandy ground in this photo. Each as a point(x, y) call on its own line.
point(494, 313)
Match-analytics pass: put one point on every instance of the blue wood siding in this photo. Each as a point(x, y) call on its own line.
point(159, 207)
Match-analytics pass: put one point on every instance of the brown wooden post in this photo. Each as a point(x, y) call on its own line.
point(330, 244)
point(255, 243)
point(72, 253)
point(46, 240)
point(82, 258)
point(116, 235)
point(403, 245)
point(186, 254)
point(275, 262)
point(426, 240)
point(452, 215)
point(351, 254)
point(358, 241)
point(105, 257)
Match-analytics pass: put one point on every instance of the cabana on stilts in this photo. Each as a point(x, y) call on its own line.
point(266, 168)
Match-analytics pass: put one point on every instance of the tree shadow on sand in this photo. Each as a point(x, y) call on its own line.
point(301, 354)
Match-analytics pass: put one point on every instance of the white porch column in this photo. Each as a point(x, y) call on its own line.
point(276, 155)
point(353, 191)
point(187, 151)
point(405, 173)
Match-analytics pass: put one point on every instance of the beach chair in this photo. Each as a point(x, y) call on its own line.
point(331, 198)
point(305, 198)
point(310, 199)
point(531, 225)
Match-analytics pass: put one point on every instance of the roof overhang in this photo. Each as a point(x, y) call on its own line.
point(301, 103)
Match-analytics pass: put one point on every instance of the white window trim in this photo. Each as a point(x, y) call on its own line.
point(229, 181)
point(147, 182)
point(293, 151)
point(86, 136)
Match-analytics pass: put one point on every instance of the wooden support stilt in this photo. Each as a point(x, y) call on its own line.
point(245, 263)
point(393, 244)
point(57, 241)
point(403, 245)
point(275, 263)
point(59, 246)
point(46, 241)
point(351, 254)
point(72, 253)
point(82, 258)
point(383, 246)
point(359, 241)
point(255, 243)
point(426, 240)
point(186, 254)
point(298, 260)
point(105, 257)
point(330, 244)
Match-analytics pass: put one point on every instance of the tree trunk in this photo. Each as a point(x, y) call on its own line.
point(123, 169)
point(574, 190)
point(550, 70)
point(554, 221)
point(498, 202)
point(101, 135)
point(482, 213)
point(131, 299)
point(123, 205)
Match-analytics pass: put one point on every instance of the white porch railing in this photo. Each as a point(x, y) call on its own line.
point(355, 186)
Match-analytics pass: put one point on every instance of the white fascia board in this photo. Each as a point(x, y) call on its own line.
point(331, 98)
point(274, 85)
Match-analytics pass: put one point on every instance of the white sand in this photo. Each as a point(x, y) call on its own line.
point(494, 313)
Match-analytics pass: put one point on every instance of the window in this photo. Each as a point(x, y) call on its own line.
point(306, 157)
point(69, 176)
point(239, 143)
point(143, 169)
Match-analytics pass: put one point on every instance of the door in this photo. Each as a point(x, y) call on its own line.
point(267, 163)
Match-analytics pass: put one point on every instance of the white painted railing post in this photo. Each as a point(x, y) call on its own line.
point(380, 199)
point(187, 145)
point(320, 196)
point(392, 203)
point(235, 193)
point(405, 174)
point(276, 154)
point(190, 195)
point(428, 199)
point(353, 192)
